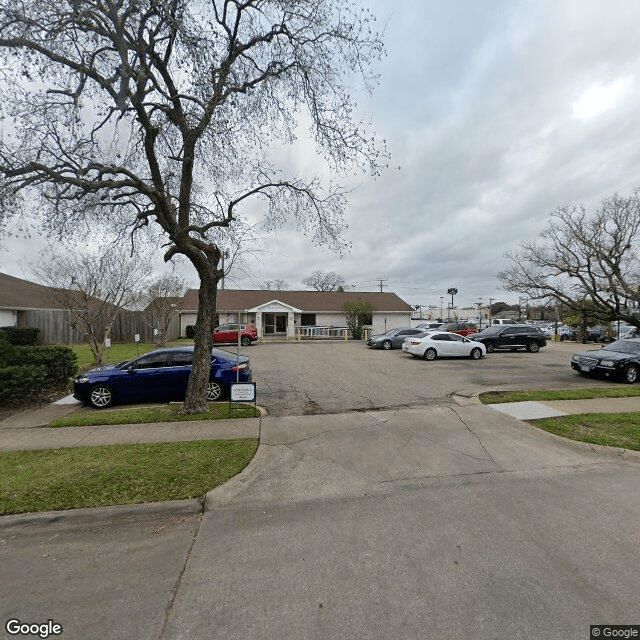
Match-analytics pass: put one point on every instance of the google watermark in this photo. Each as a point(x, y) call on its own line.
point(598, 631)
point(15, 627)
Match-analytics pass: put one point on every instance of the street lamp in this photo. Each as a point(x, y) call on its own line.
point(441, 299)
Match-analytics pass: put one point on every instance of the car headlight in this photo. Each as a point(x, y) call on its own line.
point(607, 363)
point(575, 357)
point(82, 380)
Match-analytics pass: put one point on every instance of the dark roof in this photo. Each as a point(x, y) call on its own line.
point(307, 301)
point(22, 294)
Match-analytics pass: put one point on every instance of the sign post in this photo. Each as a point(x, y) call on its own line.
point(242, 392)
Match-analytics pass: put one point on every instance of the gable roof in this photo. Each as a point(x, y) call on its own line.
point(17, 294)
point(307, 301)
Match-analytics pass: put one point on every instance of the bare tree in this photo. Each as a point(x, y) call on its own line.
point(325, 281)
point(277, 285)
point(93, 288)
point(164, 298)
point(143, 111)
point(584, 260)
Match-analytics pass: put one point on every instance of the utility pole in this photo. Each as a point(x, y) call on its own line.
point(452, 292)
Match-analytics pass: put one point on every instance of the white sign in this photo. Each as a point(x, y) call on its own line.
point(243, 392)
point(107, 342)
point(155, 332)
point(137, 337)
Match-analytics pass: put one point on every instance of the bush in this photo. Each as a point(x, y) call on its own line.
point(190, 331)
point(18, 381)
point(7, 351)
point(60, 362)
point(21, 336)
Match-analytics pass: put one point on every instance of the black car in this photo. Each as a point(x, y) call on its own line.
point(511, 337)
point(619, 359)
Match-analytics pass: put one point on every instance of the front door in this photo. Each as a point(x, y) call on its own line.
point(274, 323)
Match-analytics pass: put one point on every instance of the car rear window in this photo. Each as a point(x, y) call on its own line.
point(181, 359)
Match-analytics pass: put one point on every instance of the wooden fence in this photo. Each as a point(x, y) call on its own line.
point(55, 327)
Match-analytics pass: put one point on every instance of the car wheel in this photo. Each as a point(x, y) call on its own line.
point(386, 345)
point(533, 347)
point(215, 391)
point(475, 354)
point(101, 396)
point(490, 347)
point(430, 354)
point(631, 374)
point(245, 341)
point(563, 337)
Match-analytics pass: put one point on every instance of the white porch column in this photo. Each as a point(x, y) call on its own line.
point(259, 323)
point(291, 327)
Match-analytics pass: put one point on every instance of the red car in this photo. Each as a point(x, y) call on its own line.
point(463, 328)
point(229, 333)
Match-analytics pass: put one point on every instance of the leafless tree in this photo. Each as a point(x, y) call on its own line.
point(142, 111)
point(324, 281)
point(93, 287)
point(164, 298)
point(584, 259)
point(277, 285)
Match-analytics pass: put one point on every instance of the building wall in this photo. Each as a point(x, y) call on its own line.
point(381, 321)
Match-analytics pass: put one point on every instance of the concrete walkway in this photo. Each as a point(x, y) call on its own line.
point(29, 430)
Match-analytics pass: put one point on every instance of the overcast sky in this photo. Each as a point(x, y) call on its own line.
point(495, 113)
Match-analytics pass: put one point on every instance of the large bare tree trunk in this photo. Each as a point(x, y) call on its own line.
point(196, 398)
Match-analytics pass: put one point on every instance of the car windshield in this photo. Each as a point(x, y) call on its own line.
point(624, 346)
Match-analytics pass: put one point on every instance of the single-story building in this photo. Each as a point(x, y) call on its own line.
point(19, 297)
point(292, 313)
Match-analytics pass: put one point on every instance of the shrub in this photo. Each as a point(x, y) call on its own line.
point(190, 331)
point(21, 336)
point(16, 381)
point(7, 351)
point(60, 362)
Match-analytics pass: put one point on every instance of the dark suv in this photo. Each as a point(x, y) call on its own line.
point(512, 337)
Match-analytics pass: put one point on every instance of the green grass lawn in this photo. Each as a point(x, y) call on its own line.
point(609, 429)
point(70, 478)
point(621, 391)
point(141, 415)
point(119, 352)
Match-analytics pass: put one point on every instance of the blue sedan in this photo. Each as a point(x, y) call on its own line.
point(160, 375)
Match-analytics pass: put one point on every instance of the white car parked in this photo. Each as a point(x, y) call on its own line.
point(443, 344)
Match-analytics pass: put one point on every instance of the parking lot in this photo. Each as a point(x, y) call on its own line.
point(333, 377)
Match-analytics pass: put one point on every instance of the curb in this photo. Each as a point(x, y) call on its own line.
point(188, 507)
point(224, 494)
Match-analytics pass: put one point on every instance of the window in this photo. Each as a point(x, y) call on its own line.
point(307, 319)
point(182, 359)
point(367, 319)
point(151, 361)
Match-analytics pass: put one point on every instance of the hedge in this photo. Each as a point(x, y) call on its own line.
point(61, 362)
point(21, 336)
point(18, 381)
point(24, 371)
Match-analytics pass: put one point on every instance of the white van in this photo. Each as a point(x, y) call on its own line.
point(503, 321)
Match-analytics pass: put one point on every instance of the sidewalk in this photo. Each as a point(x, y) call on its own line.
point(557, 408)
point(29, 430)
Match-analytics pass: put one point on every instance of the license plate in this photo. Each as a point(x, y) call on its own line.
point(585, 368)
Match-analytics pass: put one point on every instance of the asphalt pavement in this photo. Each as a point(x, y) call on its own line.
point(449, 521)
